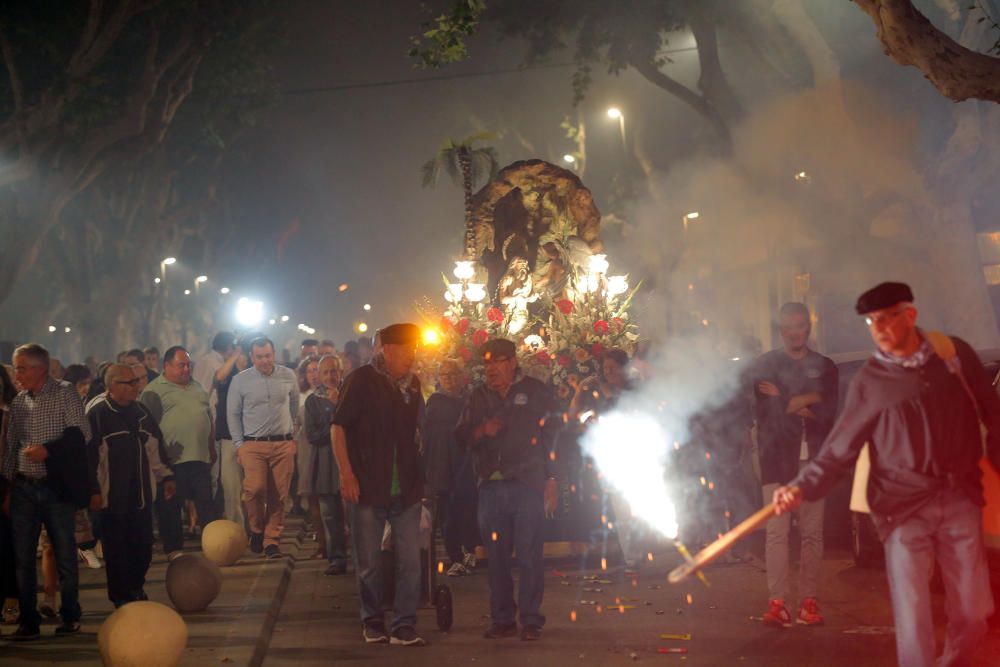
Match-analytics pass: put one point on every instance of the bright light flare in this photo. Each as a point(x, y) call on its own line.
point(464, 270)
point(342, 288)
point(362, 327)
point(639, 475)
point(617, 285)
point(367, 306)
point(52, 328)
point(201, 279)
point(156, 280)
point(431, 337)
point(224, 290)
point(249, 312)
point(598, 263)
point(169, 260)
point(187, 292)
point(569, 159)
point(614, 113)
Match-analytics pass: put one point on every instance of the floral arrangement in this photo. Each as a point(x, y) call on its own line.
point(562, 345)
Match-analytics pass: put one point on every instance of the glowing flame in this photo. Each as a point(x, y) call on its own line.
point(639, 475)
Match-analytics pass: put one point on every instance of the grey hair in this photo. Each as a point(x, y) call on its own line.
point(35, 352)
point(113, 372)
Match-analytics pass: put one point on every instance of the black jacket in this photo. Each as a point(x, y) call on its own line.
point(442, 457)
point(127, 455)
point(381, 427)
point(779, 434)
point(923, 432)
point(67, 456)
point(523, 449)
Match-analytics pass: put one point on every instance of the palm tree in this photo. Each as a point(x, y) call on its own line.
point(467, 165)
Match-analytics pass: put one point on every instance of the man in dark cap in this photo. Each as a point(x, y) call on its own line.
point(508, 429)
point(381, 478)
point(917, 403)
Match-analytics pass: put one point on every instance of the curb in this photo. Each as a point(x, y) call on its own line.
point(263, 642)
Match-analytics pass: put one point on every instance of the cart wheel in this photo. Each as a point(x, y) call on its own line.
point(442, 602)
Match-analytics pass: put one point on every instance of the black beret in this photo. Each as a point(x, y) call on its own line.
point(400, 334)
point(498, 347)
point(883, 296)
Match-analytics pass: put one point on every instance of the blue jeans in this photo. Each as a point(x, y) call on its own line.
point(367, 526)
point(514, 514)
point(31, 505)
point(331, 513)
point(949, 530)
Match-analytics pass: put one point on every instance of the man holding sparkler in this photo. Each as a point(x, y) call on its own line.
point(918, 403)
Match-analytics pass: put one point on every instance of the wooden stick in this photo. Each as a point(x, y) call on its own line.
point(721, 545)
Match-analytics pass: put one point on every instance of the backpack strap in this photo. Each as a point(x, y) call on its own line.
point(944, 347)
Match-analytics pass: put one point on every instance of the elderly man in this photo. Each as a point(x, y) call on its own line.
point(918, 403)
point(506, 426)
point(261, 407)
point(128, 454)
point(381, 479)
point(180, 407)
point(45, 457)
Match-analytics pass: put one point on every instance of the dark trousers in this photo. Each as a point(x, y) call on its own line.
point(168, 521)
point(457, 516)
point(8, 573)
point(331, 513)
point(128, 551)
point(512, 517)
point(194, 483)
point(33, 504)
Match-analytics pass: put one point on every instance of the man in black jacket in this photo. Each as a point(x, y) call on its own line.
point(796, 401)
point(127, 451)
point(381, 479)
point(917, 409)
point(508, 428)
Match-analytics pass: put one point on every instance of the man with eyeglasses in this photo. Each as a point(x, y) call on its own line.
point(509, 429)
point(919, 408)
point(127, 453)
point(795, 392)
point(46, 436)
point(181, 408)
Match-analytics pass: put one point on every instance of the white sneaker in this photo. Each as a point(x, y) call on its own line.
point(457, 570)
point(90, 558)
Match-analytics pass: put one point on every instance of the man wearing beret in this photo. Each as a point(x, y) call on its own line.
point(917, 402)
point(507, 427)
point(381, 478)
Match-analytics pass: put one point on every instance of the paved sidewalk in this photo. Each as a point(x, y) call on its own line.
point(234, 629)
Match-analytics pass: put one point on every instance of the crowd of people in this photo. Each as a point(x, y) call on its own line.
point(372, 450)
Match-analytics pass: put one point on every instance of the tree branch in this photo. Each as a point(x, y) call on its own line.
point(910, 39)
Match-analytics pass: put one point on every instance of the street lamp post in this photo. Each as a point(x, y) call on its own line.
point(614, 113)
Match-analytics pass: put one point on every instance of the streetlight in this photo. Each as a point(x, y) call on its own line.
point(249, 312)
point(67, 329)
point(367, 306)
point(284, 318)
point(187, 292)
point(569, 159)
point(688, 217)
point(362, 327)
point(169, 260)
point(52, 328)
point(224, 290)
point(156, 280)
point(201, 279)
point(164, 263)
point(614, 113)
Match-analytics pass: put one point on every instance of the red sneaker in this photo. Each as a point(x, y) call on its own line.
point(809, 613)
point(777, 615)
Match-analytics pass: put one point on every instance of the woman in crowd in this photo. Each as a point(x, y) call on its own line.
point(80, 377)
point(307, 373)
point(319, 477)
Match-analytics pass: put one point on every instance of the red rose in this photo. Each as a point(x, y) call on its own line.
point(601, 327)
point(596, 350)
point(444, 324)
point(619, 323)
point(480, 337)
point(494, 314)
point(543, 357)
point(462, 326)
point(564, 361)
point(565, 306)
point(465, 353)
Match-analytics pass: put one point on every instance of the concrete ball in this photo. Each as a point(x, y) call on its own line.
point(223, 542)
point(142, 634)
point(193, 582)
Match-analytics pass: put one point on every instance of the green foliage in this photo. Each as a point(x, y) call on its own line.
point(483, 161)
point(443, 40)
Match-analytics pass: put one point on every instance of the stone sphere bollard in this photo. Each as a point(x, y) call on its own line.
point(193, 582)
point(142, 634)
point(223, 542)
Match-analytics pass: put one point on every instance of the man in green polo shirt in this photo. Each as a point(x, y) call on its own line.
point(180, 407)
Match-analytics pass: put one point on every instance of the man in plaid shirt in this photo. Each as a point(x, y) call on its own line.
point(47, 415)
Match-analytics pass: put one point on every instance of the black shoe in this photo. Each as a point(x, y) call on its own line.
point(271, 551)
point(407, 636)
point(67, 628)
point(500, 630)
point(24, 634)
point(257, 542)
point(374, 633)
point(530, 633)
point(335, 569)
